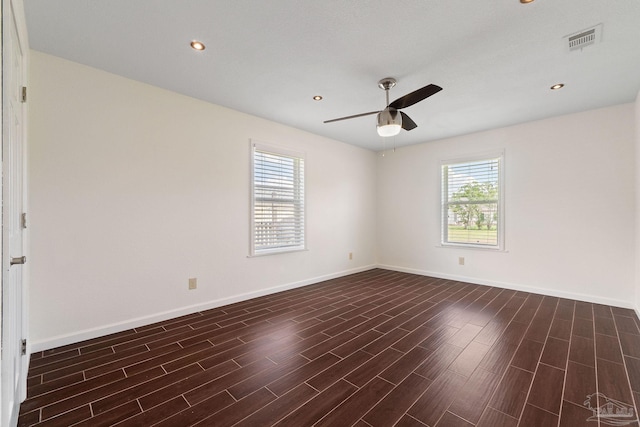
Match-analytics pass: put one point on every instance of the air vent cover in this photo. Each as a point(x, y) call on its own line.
point(584, 38)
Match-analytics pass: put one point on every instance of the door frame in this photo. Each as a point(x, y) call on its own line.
point(14, 10)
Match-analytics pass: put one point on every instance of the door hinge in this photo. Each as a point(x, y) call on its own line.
point(23, 95)
point(23, 220)
point(24, 347)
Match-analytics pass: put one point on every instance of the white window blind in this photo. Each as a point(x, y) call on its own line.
point(278, 208)
point(471, 203)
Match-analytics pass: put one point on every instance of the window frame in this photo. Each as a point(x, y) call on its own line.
point(283, 152)
point(444, 203)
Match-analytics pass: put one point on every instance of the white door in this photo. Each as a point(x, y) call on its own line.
point(13, 363)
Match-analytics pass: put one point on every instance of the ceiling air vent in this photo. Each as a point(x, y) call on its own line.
point(584, 38)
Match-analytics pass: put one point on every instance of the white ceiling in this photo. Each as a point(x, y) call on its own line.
point(495, 59)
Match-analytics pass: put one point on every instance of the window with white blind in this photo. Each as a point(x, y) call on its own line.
point(472, 208)
point(277, 201)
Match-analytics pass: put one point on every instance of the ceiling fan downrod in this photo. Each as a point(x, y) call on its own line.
point(386, 84)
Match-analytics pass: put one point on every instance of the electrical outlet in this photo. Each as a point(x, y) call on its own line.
point(193, 283)
point(461, 260)
point(350, 255)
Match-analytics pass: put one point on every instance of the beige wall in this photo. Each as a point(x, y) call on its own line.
point(134, 189)
point(569, 207)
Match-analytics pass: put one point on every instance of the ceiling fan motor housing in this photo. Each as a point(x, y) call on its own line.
point(389, 122)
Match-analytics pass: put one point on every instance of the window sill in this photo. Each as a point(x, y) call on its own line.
point(276, 251)
point(471, 247)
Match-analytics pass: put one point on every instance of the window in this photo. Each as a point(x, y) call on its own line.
point(277, 201)
point(472, 208)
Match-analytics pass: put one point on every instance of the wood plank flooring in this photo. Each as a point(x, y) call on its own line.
point(377, 348)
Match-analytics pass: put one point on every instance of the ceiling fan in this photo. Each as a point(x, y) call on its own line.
point(390, 120)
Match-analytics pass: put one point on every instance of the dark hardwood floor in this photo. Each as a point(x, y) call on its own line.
point(378, 348)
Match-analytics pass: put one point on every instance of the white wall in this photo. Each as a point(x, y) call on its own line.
point(135, 189)
point(570, 207)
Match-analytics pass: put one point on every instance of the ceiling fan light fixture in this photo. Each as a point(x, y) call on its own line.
point(389, 123)
point(389, 130)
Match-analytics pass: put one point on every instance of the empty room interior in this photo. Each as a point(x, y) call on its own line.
point(335, 213)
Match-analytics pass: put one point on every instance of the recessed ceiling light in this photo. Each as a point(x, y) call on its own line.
point(198, 45)
point(557, 86)
point(317, 98)
point(526, 1)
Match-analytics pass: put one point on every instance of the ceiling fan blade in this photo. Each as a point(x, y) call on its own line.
point(415, 96)
point(407, 123)
point(351, 117)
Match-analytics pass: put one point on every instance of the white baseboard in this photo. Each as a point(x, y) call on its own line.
point(87, 334)
point(159, 317)
point(516, 287)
